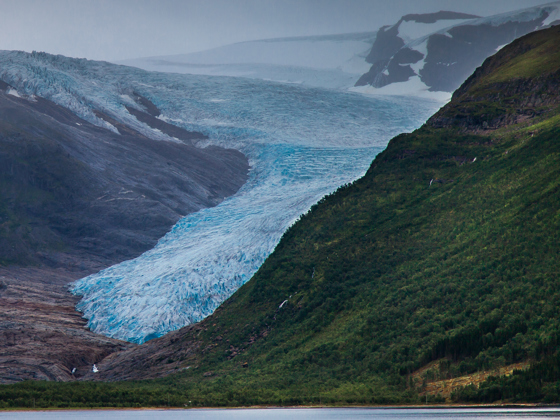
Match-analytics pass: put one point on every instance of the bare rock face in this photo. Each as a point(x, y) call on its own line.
point(391, 60)
point(76, 198)
point(174, 352)
point(70, 186)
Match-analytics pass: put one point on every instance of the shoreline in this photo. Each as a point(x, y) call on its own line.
point(520, 406)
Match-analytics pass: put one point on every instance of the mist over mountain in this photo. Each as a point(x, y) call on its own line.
point(421, 54)
point(330, 61)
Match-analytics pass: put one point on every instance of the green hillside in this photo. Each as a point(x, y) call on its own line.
point(447, 249)
point(445, 254)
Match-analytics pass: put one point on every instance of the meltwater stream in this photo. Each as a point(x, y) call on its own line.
point(302, 143)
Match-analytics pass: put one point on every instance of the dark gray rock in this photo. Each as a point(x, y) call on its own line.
point(68, 185)
point(451, 60)
point(387, 43)
point(394, 70)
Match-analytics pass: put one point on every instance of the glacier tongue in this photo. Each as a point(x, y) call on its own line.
point(302, 144)
point(210, 254)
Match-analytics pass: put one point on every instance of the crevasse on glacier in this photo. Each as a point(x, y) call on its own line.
point(302, 143)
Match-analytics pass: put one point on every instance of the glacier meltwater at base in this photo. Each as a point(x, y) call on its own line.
point(302, 143)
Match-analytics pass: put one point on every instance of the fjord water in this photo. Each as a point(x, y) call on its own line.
point(293, 414)
point(302, 143)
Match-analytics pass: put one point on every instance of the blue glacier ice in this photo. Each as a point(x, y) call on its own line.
point(302, 143)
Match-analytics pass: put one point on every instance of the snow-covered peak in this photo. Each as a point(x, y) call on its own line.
point(436, 55)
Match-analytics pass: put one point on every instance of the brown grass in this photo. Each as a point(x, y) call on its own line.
point(445, 387)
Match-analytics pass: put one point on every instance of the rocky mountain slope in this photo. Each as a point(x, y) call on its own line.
point(440, 50)
point(77, 197)
point(444, 254)
point(71, 186)
point(42, 336)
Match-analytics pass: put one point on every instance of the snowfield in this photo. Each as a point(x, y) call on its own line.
point(334, 61)
point(338, 61)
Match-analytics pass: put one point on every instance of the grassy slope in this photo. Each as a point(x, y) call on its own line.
point(391, 273)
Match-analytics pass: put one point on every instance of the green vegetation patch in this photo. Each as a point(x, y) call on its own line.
point(439, 251)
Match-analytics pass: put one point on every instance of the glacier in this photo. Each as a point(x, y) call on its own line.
point(303, 142)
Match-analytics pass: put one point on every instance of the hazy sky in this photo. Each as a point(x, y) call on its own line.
point(121, 29)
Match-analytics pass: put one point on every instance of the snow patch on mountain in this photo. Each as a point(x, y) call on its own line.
point(411, 30)
point(13, 92)
point(554, 16)
point(444, 52)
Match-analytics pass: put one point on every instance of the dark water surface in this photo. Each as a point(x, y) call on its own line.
point(290, 414)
